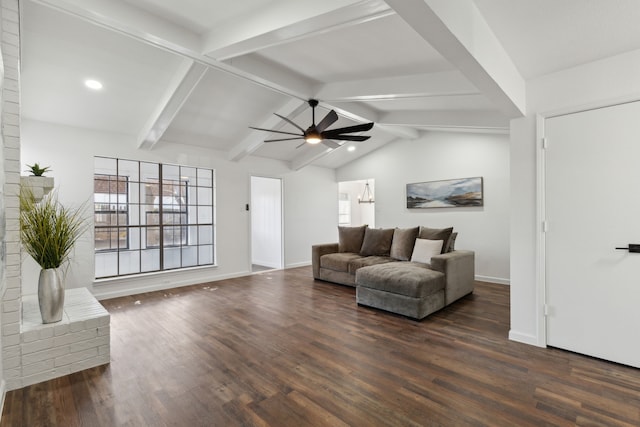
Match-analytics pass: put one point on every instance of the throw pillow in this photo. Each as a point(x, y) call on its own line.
point(403, 241)
point(377, 241)
point(436, 234)
point(425, 249)
point(350, 238)
point(451, 244)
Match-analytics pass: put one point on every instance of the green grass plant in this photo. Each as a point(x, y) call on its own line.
point(48, 230)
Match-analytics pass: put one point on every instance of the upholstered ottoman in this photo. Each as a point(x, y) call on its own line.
point(405, 288)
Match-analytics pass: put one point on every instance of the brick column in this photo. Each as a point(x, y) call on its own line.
point(10, 288)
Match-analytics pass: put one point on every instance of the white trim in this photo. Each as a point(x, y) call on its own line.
point(102, 292)
point(297, 264)
point(541, 227)
point(524, 338)
point(498, 280)
point(594, 105)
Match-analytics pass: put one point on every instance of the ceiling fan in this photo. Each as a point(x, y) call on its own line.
point(318, 133)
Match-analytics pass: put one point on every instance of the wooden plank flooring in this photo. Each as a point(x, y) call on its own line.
point(280, 349)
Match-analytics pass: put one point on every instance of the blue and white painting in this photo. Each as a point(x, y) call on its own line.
point(450, 193)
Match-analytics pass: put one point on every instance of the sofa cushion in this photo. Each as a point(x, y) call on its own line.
point(403, 241)
point(436, 234)
point(350, 238)
point(403, 278)
point(357, 263)
point(338, 261)
point(377, 241)
point(425, 249)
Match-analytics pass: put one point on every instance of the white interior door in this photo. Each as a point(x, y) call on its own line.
point(266, 222)
point(592, 196)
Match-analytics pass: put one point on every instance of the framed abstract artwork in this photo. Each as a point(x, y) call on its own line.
point(450, 193)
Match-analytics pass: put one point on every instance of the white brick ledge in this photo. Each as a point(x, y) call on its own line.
point(81, 340)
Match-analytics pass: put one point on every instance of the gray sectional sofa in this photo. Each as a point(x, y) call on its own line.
point(413, 272)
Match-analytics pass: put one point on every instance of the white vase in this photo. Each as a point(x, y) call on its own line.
point(50, 295)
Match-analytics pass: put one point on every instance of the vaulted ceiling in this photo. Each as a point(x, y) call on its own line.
point(200, 72)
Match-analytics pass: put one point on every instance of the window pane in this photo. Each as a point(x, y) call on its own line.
point(205, 178)
point(171, 258)
point(104, 165)
point(150, 259)
point(205, 234)
point(205, 255)
point(153, 236)
point(129, 262)
point(129, 169)
point(205, 215)
point(170, 172)
point(149, 171)
point(188, 174)
point(189, 256)
point(106, 264)
point(204, 196)
point(103, 238)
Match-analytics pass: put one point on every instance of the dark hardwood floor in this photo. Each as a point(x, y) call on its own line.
point(279, 349)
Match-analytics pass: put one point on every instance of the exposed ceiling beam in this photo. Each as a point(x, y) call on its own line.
point(471, 119)
point(267, 28)
point(256, 138)
point(404, 132)
point(410, 86)
point(459, 32)
point(183, 83)
point(362, 113)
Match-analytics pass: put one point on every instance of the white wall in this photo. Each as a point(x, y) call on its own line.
point(446, 155)
point(310, 202)
point(595, 84)
point(266, 222)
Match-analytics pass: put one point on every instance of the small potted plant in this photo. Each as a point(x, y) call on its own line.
point(36, 170)
point(48, 232)
point(39, 184)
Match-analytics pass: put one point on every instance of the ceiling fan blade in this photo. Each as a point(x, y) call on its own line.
point(301, 145)
point(331, 144)
point(289, 121)
point(282, 139)
point(276, 131)
point(349, 137)
point(357, 128)
point(328, 120)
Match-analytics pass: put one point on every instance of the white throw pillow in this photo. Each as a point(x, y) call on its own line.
point(424, 249)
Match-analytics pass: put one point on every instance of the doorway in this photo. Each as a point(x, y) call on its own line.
point(591, 217)
point(266, 223)
point(356, 203)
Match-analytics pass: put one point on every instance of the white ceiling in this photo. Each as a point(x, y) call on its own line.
point(200, 72)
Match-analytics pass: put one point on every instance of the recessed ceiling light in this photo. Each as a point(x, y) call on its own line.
point(351, 148)
point(93, 84)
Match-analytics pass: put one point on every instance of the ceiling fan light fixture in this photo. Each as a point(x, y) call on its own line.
point(313, 137)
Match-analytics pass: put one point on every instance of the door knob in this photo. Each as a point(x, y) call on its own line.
point(633, 248)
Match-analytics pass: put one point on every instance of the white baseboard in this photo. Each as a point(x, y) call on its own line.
point(264, 264)
point(524, 338)
point(102, 291)
point(298, 264)
point(490, 279)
